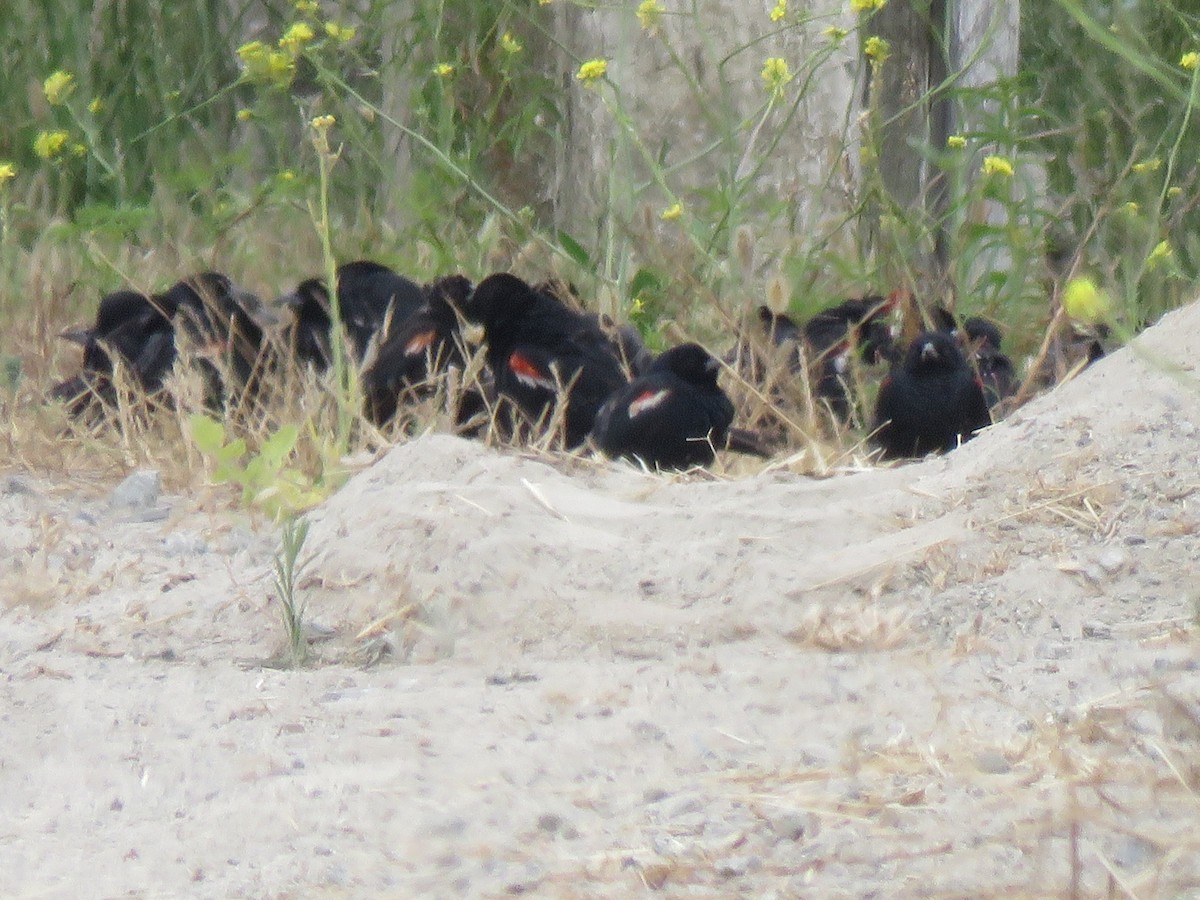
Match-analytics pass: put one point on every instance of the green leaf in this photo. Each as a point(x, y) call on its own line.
point(207, 433)
point(231, 452)
point(276, 448)
point(645, 280)
point(225, 473)
point(256, 474)
point(575, 250)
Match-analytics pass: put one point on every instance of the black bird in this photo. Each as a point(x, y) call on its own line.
point(425, 343)
point(830, 337)
point(537, 348)
point(675, 416)
point(782, 336)
point(930, 402)
point(996, 371)
point(980, 339)
point(137, 329)
point(863, 320)
point(368, 294)
point(224, 342)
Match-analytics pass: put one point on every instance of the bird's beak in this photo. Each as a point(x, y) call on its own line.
point(928, 351)
point(78, 336)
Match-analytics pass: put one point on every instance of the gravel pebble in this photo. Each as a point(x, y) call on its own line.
point(184, 543)
point(139, 491)
point(992, 762)
point(1113, 560)
point(737, 866)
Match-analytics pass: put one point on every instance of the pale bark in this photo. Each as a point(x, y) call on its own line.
point(705, 131)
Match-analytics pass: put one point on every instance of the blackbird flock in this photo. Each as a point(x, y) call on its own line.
point(550, 366)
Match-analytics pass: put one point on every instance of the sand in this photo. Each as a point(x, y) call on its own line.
point(970, 676)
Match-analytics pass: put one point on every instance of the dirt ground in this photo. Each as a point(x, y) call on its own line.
point(974, 676)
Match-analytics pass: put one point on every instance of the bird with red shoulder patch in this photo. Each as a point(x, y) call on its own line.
point(930, 402)
point(543, 353)
point(675, 416)
point(426, 343)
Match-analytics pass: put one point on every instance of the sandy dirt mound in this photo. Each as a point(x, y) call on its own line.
point(970, 676)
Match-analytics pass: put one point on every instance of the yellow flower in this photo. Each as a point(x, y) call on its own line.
point(592, 70)
point(248, 53)
point(58, 87)
point(338, 32)
point(297, 35)
point(287, 175)
point(779, 11)
point(859, 6)
point(261, 64)
point(245, 115)
point(1131, 207)
point(877, 49)
point(1150, 165)
point(1174, 191)
point(650, 13)
point(1190, 60)
point(96, 106)
point(323, 123)
point(1161, 251)
point(48, 144)
point(7, 172)
point(638, 306)
point(835, 34)
point(776, 74)
point(671, 213)
point(443, 70)
point(510, 44)
point(1085, 302)
point(280, 68)
point(306, 6)
point(997, 165)
point(956, 142)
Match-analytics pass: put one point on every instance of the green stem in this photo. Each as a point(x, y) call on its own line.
point(344, 385)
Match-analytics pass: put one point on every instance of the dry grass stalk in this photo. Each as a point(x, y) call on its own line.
point(839, 629)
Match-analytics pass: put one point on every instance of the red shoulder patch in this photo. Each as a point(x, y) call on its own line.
point(528, 373)
point(420, 343)
point(647, 400)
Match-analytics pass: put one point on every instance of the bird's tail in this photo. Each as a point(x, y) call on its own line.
point(743, 440)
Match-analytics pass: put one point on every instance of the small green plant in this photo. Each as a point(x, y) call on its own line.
point(267, 482)
point(283, 491)
point(292, 607)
